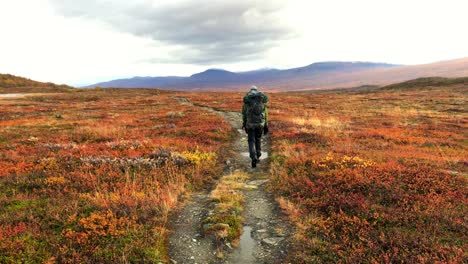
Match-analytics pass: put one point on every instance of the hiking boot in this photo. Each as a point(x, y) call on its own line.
point(254, 163)
point(258, 156)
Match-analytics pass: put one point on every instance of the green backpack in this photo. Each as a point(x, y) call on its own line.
point(255, 107)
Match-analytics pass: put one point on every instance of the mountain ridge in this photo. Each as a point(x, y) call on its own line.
point(213, 78)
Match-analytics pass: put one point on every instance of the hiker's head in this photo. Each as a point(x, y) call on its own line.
point(254, 88)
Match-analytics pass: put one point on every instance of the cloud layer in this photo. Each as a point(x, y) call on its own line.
point(198, 33)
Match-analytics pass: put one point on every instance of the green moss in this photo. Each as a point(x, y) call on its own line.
point(150, 255)
point(17, 205)
point(232, 223)
point(276, 158)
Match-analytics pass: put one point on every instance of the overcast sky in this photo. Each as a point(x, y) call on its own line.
point(87, 41)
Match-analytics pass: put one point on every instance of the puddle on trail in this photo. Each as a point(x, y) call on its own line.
point(244, 253)
point(247, 155)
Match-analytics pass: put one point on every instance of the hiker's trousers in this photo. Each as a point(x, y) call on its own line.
point(255, 142)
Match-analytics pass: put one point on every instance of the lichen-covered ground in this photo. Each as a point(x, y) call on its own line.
point(105, 176)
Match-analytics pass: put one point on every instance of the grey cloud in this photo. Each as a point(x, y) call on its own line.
point(207, 32)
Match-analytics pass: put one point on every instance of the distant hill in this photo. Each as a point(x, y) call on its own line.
point(222, 79)
point(15, 84)
point(385, 76)
point(322, 75)
point(427, 83)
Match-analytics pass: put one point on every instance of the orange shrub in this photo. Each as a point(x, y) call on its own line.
point(92, 176)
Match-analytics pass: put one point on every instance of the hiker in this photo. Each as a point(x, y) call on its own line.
point(255, 121)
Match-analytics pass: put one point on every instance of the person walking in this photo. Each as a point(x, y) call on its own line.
point(255, 121)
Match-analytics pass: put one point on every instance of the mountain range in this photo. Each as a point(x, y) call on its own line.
point(321, 75)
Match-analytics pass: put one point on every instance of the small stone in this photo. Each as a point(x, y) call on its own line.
point(194, 240)
point(250, 187)
point(272, 241)
point(192, 257)
point(220, 254)
point(206, 226)
point(257, 182)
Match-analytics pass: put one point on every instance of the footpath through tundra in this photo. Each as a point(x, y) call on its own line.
point(239, 221)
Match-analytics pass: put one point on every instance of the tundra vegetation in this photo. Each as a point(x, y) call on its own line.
point(14, 84)
point(92, 176)
point(371, 175)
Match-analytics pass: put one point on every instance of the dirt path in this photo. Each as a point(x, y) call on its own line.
point(265, 234)
point(21, 95)
point(11, 95)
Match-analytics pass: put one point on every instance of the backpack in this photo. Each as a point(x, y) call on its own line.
point(255, 110)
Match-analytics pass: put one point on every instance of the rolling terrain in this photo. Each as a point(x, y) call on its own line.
point(370, 176)
point(362, 175)
point(323, 75)
point(15, 84)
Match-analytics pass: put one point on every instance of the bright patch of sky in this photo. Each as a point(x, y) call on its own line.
point(84, 42)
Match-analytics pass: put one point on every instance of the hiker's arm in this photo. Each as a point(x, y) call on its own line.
point(244, 114)
point(265, 100)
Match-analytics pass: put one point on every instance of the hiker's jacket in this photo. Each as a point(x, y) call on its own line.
point(244, 107)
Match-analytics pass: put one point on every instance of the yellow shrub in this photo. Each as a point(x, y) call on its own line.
point(197, 157)
point(330, 162)
point(105, 224)
point(55, 180)
point(49, 164)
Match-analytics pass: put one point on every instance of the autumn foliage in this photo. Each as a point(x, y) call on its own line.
point(366, 176)
point(371, 176)
point(14, 84)
point(92, 176)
